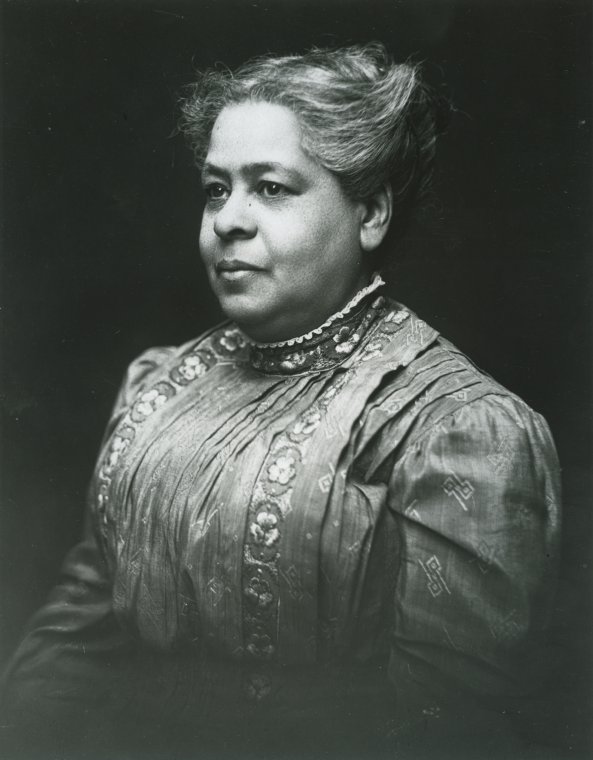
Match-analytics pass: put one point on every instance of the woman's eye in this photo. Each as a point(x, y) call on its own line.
point(272, 189)
point(215, 192)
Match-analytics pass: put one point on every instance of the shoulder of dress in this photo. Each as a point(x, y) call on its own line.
point(206, 336)
point(467, 385)
point(396, 338)
point(222, 339)
point(140, 370)
point(442, 389)
point(180, 362)
point(149, 359)
point(160, 372)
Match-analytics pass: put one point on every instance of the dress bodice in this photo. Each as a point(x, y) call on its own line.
point(359, 518)
point(230, 496)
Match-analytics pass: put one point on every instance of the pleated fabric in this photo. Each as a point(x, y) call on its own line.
point(345, 536)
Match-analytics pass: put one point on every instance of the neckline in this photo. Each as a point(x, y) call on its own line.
point(376, 282)
point(325, 346)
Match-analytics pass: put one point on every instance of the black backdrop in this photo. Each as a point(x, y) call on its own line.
point(101, 212)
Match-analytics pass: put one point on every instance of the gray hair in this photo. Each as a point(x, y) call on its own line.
point(365, 118)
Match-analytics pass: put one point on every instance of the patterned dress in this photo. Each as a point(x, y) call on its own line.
point(351, 532)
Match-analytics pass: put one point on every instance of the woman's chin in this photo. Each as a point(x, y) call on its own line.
point(249, 314)
point(260, 324)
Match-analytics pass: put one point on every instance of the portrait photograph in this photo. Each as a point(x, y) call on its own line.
point(296, 379)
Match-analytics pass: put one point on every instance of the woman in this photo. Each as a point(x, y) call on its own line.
point(317, 527)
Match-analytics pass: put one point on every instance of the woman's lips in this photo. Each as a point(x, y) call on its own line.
point(235, 269)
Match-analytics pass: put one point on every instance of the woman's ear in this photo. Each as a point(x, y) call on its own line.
point(376, 218)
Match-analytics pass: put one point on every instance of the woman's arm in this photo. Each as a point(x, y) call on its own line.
point(476, 497)
point(64, 680)
point(68, 678)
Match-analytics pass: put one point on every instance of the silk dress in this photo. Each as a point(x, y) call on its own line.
point(342, 535)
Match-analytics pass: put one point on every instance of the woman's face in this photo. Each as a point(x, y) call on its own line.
point(279, 238)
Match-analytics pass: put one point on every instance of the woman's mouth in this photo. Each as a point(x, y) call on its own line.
point(235, 269)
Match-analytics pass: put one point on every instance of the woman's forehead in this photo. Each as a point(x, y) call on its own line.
point(257, 133)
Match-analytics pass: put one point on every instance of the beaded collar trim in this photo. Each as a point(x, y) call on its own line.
point(324, 347)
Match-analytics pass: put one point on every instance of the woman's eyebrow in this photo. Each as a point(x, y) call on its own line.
point(260, 167)
point(253, 169)
point(213, 169)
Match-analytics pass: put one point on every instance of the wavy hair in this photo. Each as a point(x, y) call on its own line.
point(365, 118)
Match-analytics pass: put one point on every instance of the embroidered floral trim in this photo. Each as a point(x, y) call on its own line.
point(264, 530)
point(258, 593)
point(269, 506)
point(283, 468)
point(228, 341)
point(367, 330)
point(322, 351)
point(193, 366)
point(223, 344)
point(389, 324)
point(305, 426)
point(257, 687)
point(271, 501)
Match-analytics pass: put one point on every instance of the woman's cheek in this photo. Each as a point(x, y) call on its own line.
point(206, 242)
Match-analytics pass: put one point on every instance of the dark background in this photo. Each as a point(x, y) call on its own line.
point(101, 210)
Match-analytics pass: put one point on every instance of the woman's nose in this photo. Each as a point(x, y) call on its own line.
point(235, 219)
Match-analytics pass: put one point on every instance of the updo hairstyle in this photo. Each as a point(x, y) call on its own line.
point(365, 118)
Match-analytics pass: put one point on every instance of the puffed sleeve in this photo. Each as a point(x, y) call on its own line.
point(476, 499)
point(69, 668)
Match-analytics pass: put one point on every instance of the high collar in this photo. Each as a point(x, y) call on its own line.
point(327, 345)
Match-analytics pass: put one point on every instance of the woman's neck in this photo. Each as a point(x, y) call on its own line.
point(327, 345)
point(376, 282)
